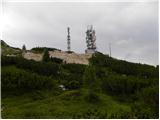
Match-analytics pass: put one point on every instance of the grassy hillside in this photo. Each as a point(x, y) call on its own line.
point(8, 50)
point(107, 88)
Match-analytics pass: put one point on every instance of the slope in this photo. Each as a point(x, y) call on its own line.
point(107, 88)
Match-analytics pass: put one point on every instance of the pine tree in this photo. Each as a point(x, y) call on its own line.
point(24, 48)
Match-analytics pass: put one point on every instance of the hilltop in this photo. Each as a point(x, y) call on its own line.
point(37, 54)
point(8, 50)
point(65, 56)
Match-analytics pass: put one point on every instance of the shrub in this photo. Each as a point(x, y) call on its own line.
point(73, 84)
point(125, 85)
point(57, 60)
point(46, 57)
point(92, 97)
point(16, 79)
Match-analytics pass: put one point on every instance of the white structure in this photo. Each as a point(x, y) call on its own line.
point(62, 87)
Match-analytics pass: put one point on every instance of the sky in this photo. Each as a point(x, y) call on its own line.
point(131, 27)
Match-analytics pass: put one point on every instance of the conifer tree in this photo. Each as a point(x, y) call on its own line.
point(24, 48)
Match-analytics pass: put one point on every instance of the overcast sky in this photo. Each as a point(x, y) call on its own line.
point(130, 27)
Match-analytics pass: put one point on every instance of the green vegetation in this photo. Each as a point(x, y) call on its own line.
point(42, 49)
point(46, 57)
point(17, 79)
point(10, 51)
point(24, 48)
point(107, 88)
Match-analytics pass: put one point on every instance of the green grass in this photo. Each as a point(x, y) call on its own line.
point(10, 51)
point(69, 104)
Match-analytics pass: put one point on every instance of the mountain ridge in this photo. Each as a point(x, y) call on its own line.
point(36, 53)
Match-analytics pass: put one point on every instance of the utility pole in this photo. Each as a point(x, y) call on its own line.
point(110, 49)
point(68, 40)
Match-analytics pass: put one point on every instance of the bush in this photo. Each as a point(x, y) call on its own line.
point(72, 84)
point(5, 61)
point(57, 60)
point(46, 57)
point(146, 104)
point(74, 68)
point(41, 49)
point(17, 79)
point(42, 68)
point(125, 85)
point(92, 97)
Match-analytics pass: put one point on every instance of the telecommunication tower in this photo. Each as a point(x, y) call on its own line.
point(68, 40)
point(90, 40)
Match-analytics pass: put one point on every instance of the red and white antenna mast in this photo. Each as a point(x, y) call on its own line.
point(90, 40)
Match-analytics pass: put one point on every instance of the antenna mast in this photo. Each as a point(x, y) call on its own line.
point(68, 40)
point(90, 39)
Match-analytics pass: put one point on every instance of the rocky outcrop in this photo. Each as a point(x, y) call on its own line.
point(33, 56)
point(71, 57)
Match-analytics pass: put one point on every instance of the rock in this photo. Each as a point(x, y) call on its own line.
point(67, 57)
